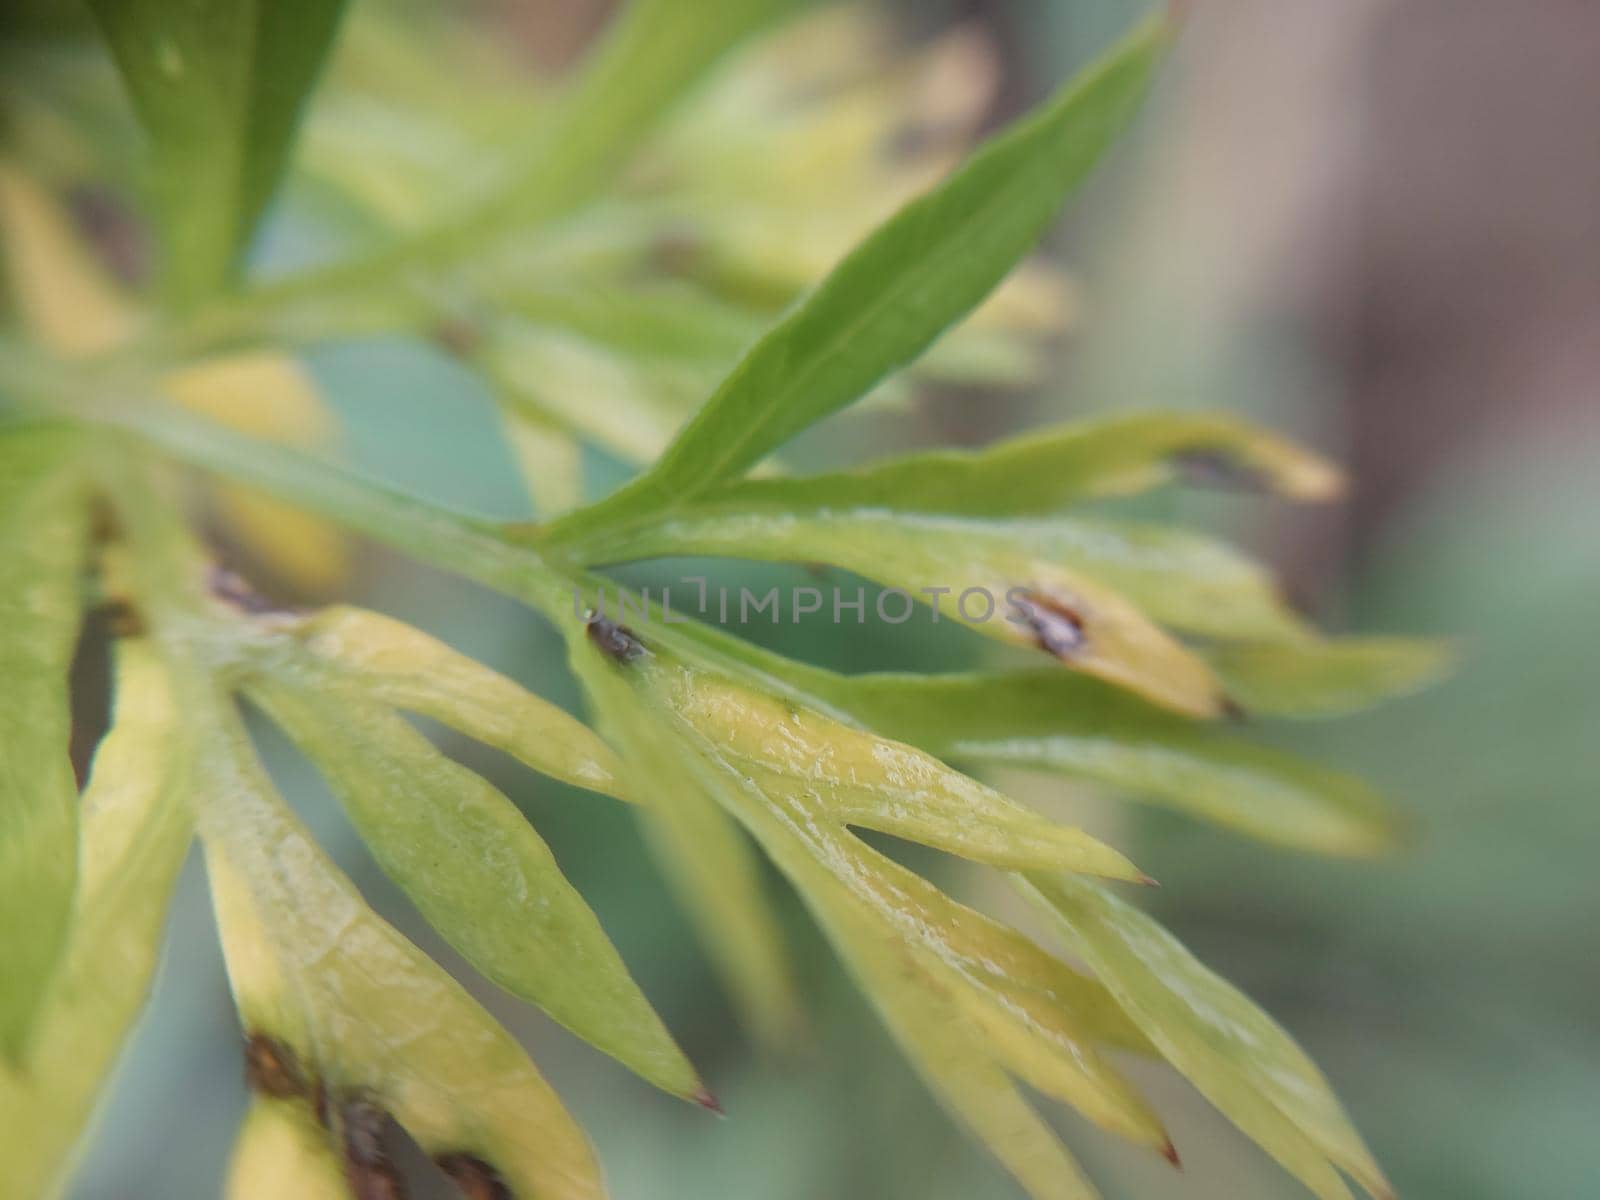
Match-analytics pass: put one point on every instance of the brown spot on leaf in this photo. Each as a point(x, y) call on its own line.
point(457, 337)
point(476, 1179)
point(1058, 628)
point(105, 526)
point(615, 641)
point(122, 619)
point(112, 228)
point(367, 1168)
point(271, 1068)
point(1170, 1153)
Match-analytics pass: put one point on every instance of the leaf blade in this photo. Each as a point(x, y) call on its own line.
point(367, 1014)
point(43, 526)
point(219, 87)
point(136, 829)
point(406, 668)
point(1050, 721)
point(900, 288)
point(1044, 471)
point(479, 873)
point(706, 859)
point(1229, 1049)
point(1021, 583)
point(1328, 677)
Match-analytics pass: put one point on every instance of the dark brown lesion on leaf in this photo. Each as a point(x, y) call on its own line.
point(474, 1178)
point(616, 642)
point(363, 1128)
point(1219, 469)
point(1058, 628)
point(458, 337)
point(272, 1068)
point(122, 618)
point(358, 1126)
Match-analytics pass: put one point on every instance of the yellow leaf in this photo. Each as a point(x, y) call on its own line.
point(268, 395)
point(282, 1152)
point(66, 299)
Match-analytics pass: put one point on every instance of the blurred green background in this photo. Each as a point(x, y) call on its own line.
point(1376, 224)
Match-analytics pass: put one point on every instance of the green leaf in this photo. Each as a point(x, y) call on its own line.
point(1236, 1055)
point(1179, 579)
point(858, 778)
point(1050, 721)
point(924, 269)
point(357, 1015)
point(1327, 678)
point(654, 53)
point(42, 532)
point(706, 858)
point(964, 995)
point(1047, 586)
point(136, 828)
point(218, 85)
point(392, 662)
point(478, 872)
point(1047, 470)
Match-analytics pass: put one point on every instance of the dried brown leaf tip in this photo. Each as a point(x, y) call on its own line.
point(368, 1171)
point(1058, 628)
point(271, 1068)
point(475, 1179)
point(616, 642)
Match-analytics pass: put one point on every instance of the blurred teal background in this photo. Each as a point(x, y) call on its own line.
point(1376, 224)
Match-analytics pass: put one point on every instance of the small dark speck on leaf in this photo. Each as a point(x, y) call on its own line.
point(457, 337)
point(617, 642)
point(475, 1179)
point(1057, 627)
point(1170, 1153)
point(366, 1162)
point(123, 620)
point(270, 1068)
